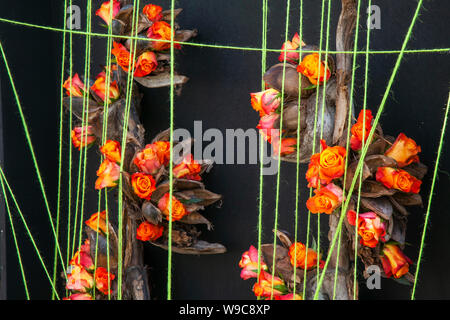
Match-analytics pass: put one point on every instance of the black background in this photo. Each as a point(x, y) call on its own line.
point(218, 95)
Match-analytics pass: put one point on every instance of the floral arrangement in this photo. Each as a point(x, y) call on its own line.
point(101, 106)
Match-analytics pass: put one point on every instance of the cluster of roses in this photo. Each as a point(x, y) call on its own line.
point(83, 278)
point(267, 102)
point(269, 286)
point(158, 30)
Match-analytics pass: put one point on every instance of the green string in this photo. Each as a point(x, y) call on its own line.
point(433, 182)
point(364, 150)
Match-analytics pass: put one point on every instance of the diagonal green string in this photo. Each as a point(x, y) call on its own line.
point(364, 150)
point(433, 183)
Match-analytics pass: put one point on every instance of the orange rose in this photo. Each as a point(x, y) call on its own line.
point(79, 296)
point(249, 264)
point(265, 101)
point(398, 179)
point(289, 296)
point(188, 169)
point(78, 279)
point(309, 67)
point(361, 129)
point(103, 280)
point(162, 149)
point(97, 222)
point(82, 137)
point(99, 88)
point(395, 262)
point(161, 30)
point(122, 55)
point(291, 56)
point(404, 151)
point(145, 64)
point(74, 86)
point(288, 145)
point(331, 162)
point(105, 12)
point(312, 174)
point(263, 288)
point(108, 174)
point(178, 209)
point(143, 185)
point(153, 12)
point(326, 200)
point(111, 150)
point(149, 232)
point(370, 227)
point(297, 255)
point(153, 156)
point(83, 257)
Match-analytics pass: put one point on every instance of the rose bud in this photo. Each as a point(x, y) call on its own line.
point(394, 261)
point(266, 101)
point(108, 174)
point(404, 151)
point(370, 227)
point(291, 56)
point(263, 288)
point(268, 121)
point(288, 145)
point(149, 232)
point(99, 88)
point(331, 162)
point(103, 280)
point(74, 86)
point(105, 10)
point(152, 12)
point(82, 258)
point(361, 129)
point(249, 264)
point(289, 296)
point(97, 222)
point(82, 137)
point(122, 55)
point(143, 185)
point(309, 67)
point(79, 296)
point(161, 30)
point(312, 174)
point(111, 150)
point(297, 255)
point(178, 209)
point(145, 64)
point(398, 179)
point(188, 169)
point(326, 200)
point(78, 279)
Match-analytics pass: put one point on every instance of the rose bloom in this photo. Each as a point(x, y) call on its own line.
point(82, 137)
point(79, 296)
point(122, 55)
point(143, 185)
point(83, 257)
point(394, 261)
point(108, 174)
point(289, 296)
point(153, 156)
point(312, 174)
point(404, 151)
point(326, 200)
point(145, 64)
point(298, 258)
point(188, 169)
point(97, 222)
point(149, 232)
point(161, 30)
point(309, 67)
point(99, 88)
point(111, 150)
point(361, 129)
point(263, 288)
point(288, 145)
point(331, 162)
point(291, 56)
point(249, 264)
point(398, 179)
point(178, 209)
point(105, 11)
point(153, 12)
point(78, 279)
point(265, 101)
point(103, 280)
point(370, 227)
point(74, 86)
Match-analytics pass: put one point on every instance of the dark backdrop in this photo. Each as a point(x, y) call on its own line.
point(218, 94)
